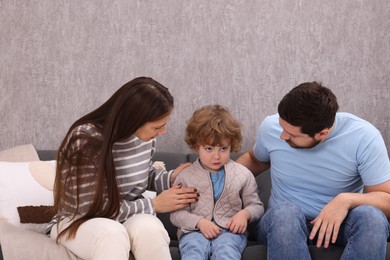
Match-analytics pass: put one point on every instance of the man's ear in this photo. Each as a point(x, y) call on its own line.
point(322, 135)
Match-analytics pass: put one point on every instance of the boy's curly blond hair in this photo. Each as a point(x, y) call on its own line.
point(211, 124)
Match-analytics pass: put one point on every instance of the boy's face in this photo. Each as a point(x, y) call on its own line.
point(214, 158)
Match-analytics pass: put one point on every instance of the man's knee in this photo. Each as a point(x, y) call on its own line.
point(285, 220)
point(371, 219)
point(286, 213)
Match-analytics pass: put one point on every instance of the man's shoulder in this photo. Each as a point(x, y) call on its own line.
point(270, 121)
point(355, 123)
point(272, 118)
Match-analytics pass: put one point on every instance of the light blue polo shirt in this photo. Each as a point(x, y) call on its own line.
point(353, 155)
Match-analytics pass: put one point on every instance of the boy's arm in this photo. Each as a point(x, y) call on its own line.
point(183, 218)
point(250, 198)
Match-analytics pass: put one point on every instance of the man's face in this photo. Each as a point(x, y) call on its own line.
point(295, 138)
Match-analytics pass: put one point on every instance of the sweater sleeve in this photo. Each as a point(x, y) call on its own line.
point(158, 178)
point(158, 181)
point(250, 197)
point(183, 218)
point(138, 206)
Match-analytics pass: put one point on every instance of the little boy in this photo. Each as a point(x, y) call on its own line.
point(215, 226)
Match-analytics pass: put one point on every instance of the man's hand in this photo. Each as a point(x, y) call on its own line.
point(328, 222)
point(239, 222)
point(209, 229)
point(174, 198)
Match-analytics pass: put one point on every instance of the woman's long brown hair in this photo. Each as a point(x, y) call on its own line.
point(137, 102)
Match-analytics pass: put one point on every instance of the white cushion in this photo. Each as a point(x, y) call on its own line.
point(20, 187)
point(21, 153)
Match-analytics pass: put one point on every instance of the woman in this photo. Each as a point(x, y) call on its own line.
point(103, 167)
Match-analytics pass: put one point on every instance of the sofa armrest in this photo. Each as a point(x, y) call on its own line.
point(18, 243)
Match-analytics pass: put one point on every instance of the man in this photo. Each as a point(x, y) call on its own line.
point(330, 178)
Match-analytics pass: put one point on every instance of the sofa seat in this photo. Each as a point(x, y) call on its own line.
point(32, 245)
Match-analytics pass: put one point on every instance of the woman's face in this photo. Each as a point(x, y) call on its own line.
point(153, 129)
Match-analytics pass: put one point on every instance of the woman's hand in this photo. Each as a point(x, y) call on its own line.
point(177, 171)
point(174, 198)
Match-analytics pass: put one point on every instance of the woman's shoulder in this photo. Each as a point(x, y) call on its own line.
point(83, 136)
point(88, 128)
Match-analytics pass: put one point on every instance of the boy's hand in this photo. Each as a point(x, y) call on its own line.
point(208, 228)
point(239, 222)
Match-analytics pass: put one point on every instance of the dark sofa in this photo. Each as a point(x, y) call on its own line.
point(253, 251)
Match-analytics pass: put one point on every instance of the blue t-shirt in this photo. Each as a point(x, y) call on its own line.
point(352, 156)
point(218, 180)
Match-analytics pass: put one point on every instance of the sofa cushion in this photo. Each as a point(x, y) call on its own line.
point(21, 153)
point(20, 187)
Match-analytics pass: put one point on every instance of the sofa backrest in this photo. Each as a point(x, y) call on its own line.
point(47, 155)
point(172, 160)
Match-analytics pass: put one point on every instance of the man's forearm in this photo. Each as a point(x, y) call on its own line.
point(377, 199)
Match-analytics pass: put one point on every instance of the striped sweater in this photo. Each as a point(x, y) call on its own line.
point(134, 174)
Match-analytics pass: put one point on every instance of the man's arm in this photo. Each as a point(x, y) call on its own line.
point(328, 222)
point(377, 195)
point(249, 160)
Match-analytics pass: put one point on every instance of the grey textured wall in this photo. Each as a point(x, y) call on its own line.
point(61, 59)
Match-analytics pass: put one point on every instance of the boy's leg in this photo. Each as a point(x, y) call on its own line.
point(283, 229)
point(194, 246)
point(228, 246)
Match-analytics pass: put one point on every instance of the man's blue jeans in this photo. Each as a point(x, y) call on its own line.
point(226, 246)
point(285, 231)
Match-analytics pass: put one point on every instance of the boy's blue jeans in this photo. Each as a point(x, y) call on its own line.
point(226, 246)
point(285, 231)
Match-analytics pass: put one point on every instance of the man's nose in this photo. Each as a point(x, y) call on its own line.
point(284, 136)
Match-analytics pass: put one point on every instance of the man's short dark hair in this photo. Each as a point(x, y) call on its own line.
point(310, 106)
